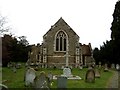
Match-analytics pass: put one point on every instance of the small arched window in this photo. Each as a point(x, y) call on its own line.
point(61, 41)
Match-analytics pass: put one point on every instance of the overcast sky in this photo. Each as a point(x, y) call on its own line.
point(90, 19)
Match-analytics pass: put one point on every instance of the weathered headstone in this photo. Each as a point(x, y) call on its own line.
point(99, 65)
point(9, 65)
point(90, 76)
point(62, 67)
point(81, 67)
point(113, 66)
point(93, 64)
point(97, 73)
point(14, 69)
point(117, 67)
point(61, 82)
point(106, 68)
point(30, 76)
point(41, 81)
point(50, 76)
point(18, 65)
point(89, 66)
point(67, 72)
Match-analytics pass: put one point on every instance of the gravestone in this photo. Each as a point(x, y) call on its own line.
point(8, 65)
point(99, 65)
point(67, 72)
point(97, 73)
point(61, 82)
point(81, 67)
point(90, 76)
point(14, 69)
point(30, 76)
point(113, 66)
point(117, 67)
point(93, 64)
point(62, 67)
point(41, 81)
point(18, 65)
point(89, 66)
point(106, 68)
point(50, 76)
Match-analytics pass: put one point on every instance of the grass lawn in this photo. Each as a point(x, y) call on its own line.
point(16, 80)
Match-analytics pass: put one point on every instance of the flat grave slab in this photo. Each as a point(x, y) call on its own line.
point(72, 77)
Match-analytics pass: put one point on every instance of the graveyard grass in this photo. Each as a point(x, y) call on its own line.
point(16, 80)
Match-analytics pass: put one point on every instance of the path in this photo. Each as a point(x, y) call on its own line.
point(115, 80)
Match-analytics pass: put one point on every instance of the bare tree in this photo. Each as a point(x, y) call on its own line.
point(3, 26)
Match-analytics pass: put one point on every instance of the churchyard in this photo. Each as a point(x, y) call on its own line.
point(16, 79)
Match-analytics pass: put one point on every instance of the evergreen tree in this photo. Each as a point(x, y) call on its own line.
point(110, 50)
point(115, 34)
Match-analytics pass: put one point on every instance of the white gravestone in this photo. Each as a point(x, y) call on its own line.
point(80, 67)
point(62, 67)
point(29, 77)
point(117, 66)
point(67, 72)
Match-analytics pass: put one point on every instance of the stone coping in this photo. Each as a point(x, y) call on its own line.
point(73, 77)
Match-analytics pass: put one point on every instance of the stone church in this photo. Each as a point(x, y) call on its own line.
point(60, 47)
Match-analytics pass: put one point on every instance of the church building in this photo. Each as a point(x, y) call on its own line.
point(60, 47)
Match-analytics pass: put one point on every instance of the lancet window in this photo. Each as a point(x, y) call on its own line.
point(61, 41)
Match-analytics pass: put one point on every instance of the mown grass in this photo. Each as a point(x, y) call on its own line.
point(99, 82)
point(16, 80)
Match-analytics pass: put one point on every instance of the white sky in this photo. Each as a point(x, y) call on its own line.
point(90, 19)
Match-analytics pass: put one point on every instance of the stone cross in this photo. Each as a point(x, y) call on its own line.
point(67, 58)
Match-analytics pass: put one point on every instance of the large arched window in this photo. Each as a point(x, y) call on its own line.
point(61, 41)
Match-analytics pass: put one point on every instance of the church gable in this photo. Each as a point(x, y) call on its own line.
point(60, 25)
point(59, 37)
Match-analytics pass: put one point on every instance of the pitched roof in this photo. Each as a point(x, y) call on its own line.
point(86, 50)
point(61, 21)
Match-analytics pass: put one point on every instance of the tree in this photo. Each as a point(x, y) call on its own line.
point(13, 50)
point(3, 27)
point(23, 40)
point(96, 55)
point(6, 49)
point(110, 50)
point(115, 34)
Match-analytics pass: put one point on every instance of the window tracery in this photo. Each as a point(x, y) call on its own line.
point(61, 41)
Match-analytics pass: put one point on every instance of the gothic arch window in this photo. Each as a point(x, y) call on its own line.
point(61, 41)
